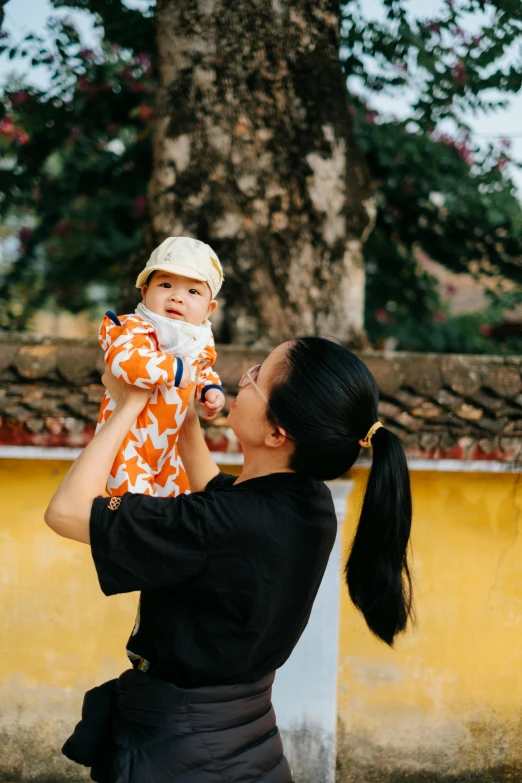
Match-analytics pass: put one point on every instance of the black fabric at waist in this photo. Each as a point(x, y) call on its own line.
point(221, 733)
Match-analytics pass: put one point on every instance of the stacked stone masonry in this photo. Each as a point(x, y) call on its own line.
point(442, 406)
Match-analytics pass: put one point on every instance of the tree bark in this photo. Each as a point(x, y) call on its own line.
point(254, 154)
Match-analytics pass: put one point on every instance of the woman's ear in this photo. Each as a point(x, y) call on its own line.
point(212, 307)
point(276, 438)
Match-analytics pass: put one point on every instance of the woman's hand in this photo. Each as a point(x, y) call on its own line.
point(124, 394)
point(69, 511)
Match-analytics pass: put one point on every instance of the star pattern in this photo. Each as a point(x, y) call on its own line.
point(150, 455)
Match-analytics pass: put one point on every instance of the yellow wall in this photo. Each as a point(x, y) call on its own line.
point(449, 696)
point(59, 634)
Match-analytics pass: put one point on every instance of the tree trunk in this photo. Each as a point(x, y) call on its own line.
point(254, 154)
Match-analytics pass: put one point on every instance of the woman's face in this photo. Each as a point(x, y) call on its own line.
point(247, 415)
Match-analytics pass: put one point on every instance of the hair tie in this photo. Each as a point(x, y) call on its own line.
point(367, 441)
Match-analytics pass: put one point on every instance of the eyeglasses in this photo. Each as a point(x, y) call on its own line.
point(250, 376)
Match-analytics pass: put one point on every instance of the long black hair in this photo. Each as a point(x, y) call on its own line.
point(325, 398)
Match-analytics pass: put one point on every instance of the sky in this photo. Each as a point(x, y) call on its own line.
point(24, 16)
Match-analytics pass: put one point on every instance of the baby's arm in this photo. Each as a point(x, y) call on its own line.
point(133, 357)
point(213, 402)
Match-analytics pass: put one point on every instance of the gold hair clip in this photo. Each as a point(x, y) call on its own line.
point(367, 441)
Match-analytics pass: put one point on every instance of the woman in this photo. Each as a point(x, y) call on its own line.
point(228, 575)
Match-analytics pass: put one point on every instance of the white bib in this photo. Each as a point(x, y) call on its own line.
point(178, 337)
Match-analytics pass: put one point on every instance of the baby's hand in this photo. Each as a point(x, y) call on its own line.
point(186, 378)
point(214, 402)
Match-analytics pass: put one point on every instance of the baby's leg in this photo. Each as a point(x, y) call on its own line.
point(126, 480)
point(172, 480)
point(130, 472)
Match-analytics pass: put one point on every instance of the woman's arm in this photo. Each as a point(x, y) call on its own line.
point(69, 511)
point(194, 452)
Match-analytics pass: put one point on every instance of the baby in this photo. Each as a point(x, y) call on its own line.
point(165, 345)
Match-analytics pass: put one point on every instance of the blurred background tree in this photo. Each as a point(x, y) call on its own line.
point(76, 162)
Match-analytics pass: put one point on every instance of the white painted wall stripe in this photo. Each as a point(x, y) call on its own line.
point(231, 458)
point(70, 454)
point(305, 688)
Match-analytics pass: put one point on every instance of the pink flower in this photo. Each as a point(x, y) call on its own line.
point(432, 26)
point(19, 97)
point(444, 138)
point(24, 236)
point(439, 316)
point(464, 152)
point(143, 60)
point(127, 74)
point(381, 315)
point(461, 146)
point(352, 111)
point(145, 112)
point(89, 89)
point(371, 116)
point(84, 85)
point(6, 126)
point(21, 137)
point(138, 206)
point(86, 54)
point(486, 330)
point(451, 290)
point(13, 132)
point(459, 73)
point(62, 228)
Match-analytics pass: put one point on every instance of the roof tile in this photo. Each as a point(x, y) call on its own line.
point(441, 406)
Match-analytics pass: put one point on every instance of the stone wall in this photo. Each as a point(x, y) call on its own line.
point(442, 406)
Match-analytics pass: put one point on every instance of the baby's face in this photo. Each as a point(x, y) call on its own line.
point(179, 298)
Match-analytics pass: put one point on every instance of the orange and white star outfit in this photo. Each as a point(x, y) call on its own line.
point(148, 460)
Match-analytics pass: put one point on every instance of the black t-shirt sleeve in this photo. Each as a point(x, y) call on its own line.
point(221, 481)
point(140, 542)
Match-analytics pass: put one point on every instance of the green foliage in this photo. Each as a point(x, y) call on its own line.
point(446, 333)
point(449, 68)
point(430, 198)
point(75, 160)
point(439, 193)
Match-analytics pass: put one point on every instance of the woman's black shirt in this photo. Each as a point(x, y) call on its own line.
point(227, 576)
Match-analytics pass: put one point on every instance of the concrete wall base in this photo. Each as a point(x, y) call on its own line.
point(485, 753)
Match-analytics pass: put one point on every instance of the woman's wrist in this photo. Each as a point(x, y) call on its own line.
point(192, 415)
point(128, 407)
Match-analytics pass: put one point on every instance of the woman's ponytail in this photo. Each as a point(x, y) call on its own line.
point(323, 397)
point(377, 571)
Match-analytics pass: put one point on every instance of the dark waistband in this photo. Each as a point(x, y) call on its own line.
point(225, 732)
point(146, 700)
